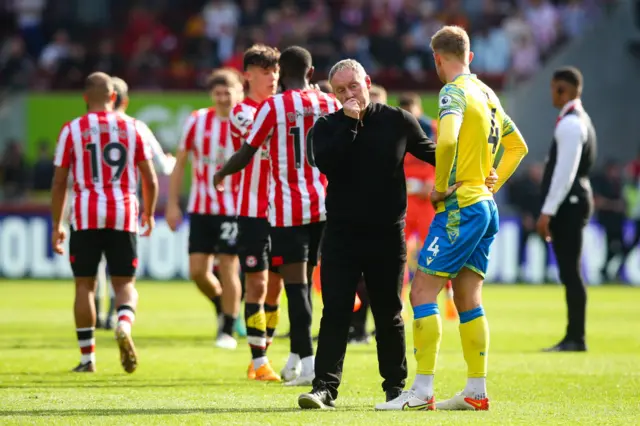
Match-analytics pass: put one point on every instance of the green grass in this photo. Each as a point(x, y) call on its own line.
point(183, 379)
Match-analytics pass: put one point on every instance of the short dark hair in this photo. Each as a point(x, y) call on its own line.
point(224, 77)
point(262, 56)
point(571, 75)
point(122, 91)
point(409, 99)
point(295, 62)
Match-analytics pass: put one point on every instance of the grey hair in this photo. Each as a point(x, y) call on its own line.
point(347, 64)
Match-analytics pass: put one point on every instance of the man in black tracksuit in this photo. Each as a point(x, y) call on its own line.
point(361, 150)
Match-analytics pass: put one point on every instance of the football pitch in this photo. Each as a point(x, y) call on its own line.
point(183, 379)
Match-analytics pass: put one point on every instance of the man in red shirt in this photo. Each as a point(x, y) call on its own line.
point(213, 229)
point(297, 197)
point(261, 310)
point(104, 151)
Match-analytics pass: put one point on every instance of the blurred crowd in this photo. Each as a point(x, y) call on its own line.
point(53, 44)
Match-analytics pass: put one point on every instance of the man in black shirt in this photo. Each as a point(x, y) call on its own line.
point(568, 199)
point(611, 211)
point(361, 150)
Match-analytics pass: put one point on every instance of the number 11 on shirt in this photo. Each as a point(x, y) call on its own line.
point(296, 132)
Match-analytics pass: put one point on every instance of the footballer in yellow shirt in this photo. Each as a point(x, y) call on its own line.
point(472, 129)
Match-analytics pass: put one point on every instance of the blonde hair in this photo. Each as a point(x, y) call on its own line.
point(452, 40)
point(379, 92)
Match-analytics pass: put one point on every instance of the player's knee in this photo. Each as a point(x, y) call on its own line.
point(198, 273)
point(256, 286)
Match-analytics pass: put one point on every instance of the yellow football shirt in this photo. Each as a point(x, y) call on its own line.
point(472, 127)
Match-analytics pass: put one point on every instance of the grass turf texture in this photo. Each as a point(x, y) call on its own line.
point(183, 379)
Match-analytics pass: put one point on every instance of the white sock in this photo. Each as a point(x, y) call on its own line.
point(293, 361)
point(125, 319)
point(259, 362)
point(85, 358)
point(476, 388)
point(423, 386)
point(308, 365)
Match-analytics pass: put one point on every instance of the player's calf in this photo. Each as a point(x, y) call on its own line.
point(85, 318)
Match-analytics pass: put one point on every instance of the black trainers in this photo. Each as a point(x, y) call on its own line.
point(317, 399)
point(393, 393)
point(88, 367)
point(567, 346)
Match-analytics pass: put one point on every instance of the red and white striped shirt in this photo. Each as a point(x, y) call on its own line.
point(297, 189)
point(208, 138)
point(253, 199)
point(103, 149)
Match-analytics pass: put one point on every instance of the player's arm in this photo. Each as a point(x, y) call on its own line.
point(260, 132)
point(331, 140)
point(165, 162)
point(452, 105)
point(62, 163)
point(144, 161)
point(175, 181)
point(514, 150)
point(569, 138)
point(418, 143)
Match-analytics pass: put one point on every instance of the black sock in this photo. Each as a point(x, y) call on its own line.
point(310, 296)
point(300, 319)
point(217, 303)
point(97, 303)
point(254, 317)
point(227, 324)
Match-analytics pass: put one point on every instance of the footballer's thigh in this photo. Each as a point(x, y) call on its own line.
point(467, 285)
point(85, 253)
point(253, 254)
point(290, 252)
point(121, 252)
point(452, 238)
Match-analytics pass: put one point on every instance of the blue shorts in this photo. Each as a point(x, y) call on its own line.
point(460, 238)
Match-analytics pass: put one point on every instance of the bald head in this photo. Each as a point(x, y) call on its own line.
point(98, 90)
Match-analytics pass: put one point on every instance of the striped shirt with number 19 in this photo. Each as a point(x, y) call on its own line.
point(102, 150)
point(284, 122)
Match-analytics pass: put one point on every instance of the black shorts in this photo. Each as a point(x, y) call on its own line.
point(295, 244)
point(253, 244)
point(212, 234)
point(119, 247)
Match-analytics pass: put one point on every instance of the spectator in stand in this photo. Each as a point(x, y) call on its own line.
point(106, 59)
point(16, 68)
point(492, 50)
point(13, 171)
point(29, 20)
point(55, 52)
point(221, 19)
point(43, 168)
point(573, 18)
point(356, 47)
point(526, 58)
point(543, 19)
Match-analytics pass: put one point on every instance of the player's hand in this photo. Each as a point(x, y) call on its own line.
point(352, 108)
point(173, 216)
point(217, 182)
point(543, 227)
point(492, 179)
point(147, 224)
point(57, 239)
point(437, 197)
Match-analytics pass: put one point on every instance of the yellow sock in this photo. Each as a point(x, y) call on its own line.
point(427, 333)
point(474, 333)
point(272, 317)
